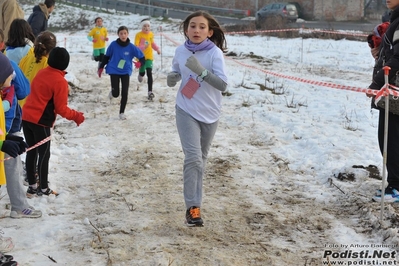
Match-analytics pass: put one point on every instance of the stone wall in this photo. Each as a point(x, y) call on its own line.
point(334, 10)
point(338, 10)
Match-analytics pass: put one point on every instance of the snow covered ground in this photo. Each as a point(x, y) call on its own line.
point(272, 195)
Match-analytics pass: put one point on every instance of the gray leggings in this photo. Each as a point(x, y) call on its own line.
point(196, 138)
point(15, 188)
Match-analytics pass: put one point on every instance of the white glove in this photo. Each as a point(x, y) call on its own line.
point(173, 78)
point(195, 66)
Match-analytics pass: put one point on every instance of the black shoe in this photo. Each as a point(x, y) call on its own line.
point(150, 95)
point(48, 192)
point(193, 217)
point(9, 263)
point(5, 258)
point(31, 192)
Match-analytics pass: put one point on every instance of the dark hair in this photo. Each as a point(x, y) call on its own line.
point(1, 35)
point(218, 35)
point(121, 28)
point(44, 43)
point(386, 16)
point(20, 30)
point(95, 20)
point(49, 3)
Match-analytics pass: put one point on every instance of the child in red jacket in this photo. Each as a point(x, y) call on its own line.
point(48, 98)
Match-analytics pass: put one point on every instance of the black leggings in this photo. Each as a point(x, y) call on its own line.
point(125, 79)
point(149, 78)
point(392, 147)
point(99, 58)
point(33, 134)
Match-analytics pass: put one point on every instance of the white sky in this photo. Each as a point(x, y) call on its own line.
point(267, 196)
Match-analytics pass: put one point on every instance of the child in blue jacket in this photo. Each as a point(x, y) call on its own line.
point(20, 208)
point(118, 63)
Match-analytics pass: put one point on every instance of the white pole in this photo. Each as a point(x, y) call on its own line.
point(160, 28)
point(384, 153)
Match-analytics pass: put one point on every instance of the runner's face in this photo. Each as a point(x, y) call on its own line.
point(198, 29)
point(146, 28)
point(123, 34)
point(392, 4)
point(99, 22)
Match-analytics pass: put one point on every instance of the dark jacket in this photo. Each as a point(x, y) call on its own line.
point(22, 89)
point(389, 53)
point(119, 51)
point(38, 19)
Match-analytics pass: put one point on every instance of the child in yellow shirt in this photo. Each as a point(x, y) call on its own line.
point(98, 36)
point(144, 40)
point(33, 62)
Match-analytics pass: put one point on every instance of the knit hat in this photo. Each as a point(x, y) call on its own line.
point(58, 58)
point(145, 21)
point(374, 39)
point(6, 69)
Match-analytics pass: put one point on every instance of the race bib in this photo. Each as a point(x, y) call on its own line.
point(190, 88)
point(121, 63)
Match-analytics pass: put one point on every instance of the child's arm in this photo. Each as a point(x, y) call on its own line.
point(60, 98)
point(142, 44)
point(136, 40)
point(102, 65)
point(90, 38)
point(172, 79)
point(139, 63)
point(7, 95)
point(20, 82)
point(138, 54)
point(104, 37)
point(213, 80)
point(105, 61)
point(155, 47)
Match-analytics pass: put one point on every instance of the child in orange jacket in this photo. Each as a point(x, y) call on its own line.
point(48, 98)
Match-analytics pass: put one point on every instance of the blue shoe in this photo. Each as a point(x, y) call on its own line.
point(391, 195)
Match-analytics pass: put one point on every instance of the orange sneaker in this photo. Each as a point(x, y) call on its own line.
point(193, 217)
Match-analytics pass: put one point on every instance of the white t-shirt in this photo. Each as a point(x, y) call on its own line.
point(205, 105)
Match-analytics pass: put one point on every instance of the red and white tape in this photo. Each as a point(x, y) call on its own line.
point(392, 91)
point(300, 30)
point(31, 148)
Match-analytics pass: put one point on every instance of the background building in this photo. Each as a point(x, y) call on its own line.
point(330, 10)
